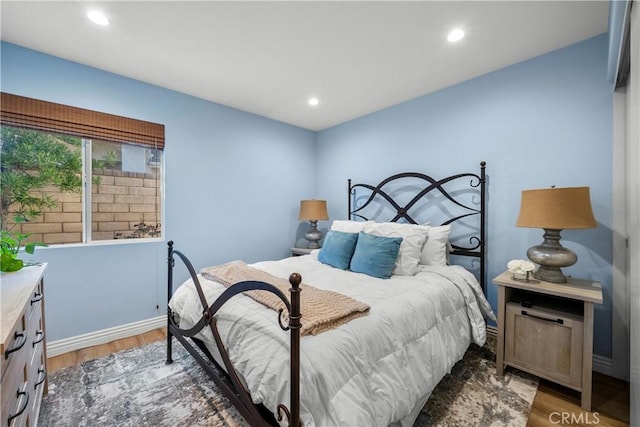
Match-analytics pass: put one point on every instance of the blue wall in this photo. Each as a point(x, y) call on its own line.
point(232, 191)
point(546, 121)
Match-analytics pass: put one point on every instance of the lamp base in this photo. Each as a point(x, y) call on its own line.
point(550, 274)
point(551, 256)
point(313, 235)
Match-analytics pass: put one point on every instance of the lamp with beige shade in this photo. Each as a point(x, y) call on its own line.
point(554, 210)
point(313, 211)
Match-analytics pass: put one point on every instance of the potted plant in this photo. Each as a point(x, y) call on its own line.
point(10, 248)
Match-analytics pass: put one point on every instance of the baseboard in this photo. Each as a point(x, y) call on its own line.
point(492, 331)
point(601, 364)
point(55, 348)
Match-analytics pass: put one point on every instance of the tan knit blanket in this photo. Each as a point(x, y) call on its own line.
point(321, 310)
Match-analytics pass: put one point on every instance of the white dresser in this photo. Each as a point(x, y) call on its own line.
point(23, 358)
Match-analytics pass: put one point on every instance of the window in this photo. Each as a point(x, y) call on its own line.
point(75, 176)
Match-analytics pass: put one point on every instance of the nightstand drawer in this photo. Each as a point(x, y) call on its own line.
point(545, 342)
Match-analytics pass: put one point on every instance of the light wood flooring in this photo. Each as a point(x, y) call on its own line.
point(552, 402)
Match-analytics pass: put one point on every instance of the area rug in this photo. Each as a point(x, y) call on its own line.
point(136, 388)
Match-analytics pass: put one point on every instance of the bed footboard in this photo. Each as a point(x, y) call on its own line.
point(227, 379)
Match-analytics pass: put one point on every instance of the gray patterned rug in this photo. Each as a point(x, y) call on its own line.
point(136, 388)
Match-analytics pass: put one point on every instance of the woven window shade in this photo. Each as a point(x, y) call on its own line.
point(46, 116)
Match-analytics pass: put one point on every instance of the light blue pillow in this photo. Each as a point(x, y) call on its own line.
point(337, 249)
point(375, 255)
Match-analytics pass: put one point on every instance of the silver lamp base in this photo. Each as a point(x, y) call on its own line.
point(551, 256)
point(313, 235)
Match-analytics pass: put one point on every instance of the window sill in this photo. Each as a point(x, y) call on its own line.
point(104, 243)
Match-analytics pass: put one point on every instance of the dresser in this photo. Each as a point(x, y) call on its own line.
point(23, 358)
point(547, 329)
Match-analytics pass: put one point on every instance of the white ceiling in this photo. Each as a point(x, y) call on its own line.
point(268, 58)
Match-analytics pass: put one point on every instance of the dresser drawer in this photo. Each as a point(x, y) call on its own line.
point(545, 342)
point(37, 376)
point(35, 327)
point(16, 345)
point(35, 300)
point(16, 396)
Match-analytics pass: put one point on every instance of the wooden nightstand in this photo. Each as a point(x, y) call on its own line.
point(300, 251)
point(547, 329)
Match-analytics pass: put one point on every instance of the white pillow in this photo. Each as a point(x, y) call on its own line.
point(413, 239)
point(436, 250)
point(348, 226)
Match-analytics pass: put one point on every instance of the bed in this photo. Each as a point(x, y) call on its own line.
point(379, 367)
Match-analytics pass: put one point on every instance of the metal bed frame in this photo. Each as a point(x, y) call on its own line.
point(229, 382)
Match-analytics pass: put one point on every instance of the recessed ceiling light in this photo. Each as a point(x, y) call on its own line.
point(455, 35)
point(313, 101)
point(98, 17)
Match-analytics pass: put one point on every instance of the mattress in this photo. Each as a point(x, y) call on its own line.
point(375, 370)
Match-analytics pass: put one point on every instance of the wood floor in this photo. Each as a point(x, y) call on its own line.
point(90, 353)
point(609, 406)
point(553, 405)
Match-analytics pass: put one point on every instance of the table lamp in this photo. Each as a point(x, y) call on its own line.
point(554, 209)
point(313, 211)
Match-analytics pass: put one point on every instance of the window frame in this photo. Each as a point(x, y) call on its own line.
point(38, 115)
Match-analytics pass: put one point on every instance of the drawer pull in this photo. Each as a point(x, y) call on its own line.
point(24, 406)
point(36, 298)
point(558, 321)
point(40, 381)
point(38, 340)
point(19, 343)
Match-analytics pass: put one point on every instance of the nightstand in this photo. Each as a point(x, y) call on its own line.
point(546, 329)
point(300, 251)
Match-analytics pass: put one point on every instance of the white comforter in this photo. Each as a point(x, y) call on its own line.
point(372, 371)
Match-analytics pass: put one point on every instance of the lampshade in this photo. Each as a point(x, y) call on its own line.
point(313, 210)
point(556, 208)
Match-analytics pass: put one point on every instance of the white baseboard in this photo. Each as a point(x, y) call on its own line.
point(492, 331)
point(55, 348)
point(603, 365)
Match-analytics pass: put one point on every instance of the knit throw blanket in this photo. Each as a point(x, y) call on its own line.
point(321, 310)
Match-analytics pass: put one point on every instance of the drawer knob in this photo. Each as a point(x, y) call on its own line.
point(36, 298)
point(558, 321)
point(39, 333)
point(24, 405)
point(21, 339)
point(42, 372)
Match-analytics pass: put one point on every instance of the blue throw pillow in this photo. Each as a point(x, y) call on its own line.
point(337, 249)
point(375, 255)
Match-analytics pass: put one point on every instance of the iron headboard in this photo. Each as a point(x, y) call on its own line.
point(477, 242)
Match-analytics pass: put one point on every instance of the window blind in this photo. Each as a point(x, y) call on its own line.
point(47, 116)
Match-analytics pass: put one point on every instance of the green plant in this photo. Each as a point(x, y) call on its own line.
point(10, 248)
point(100, 165)
point(31, 160)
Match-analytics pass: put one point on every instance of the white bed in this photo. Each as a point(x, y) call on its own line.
point(376, 370)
